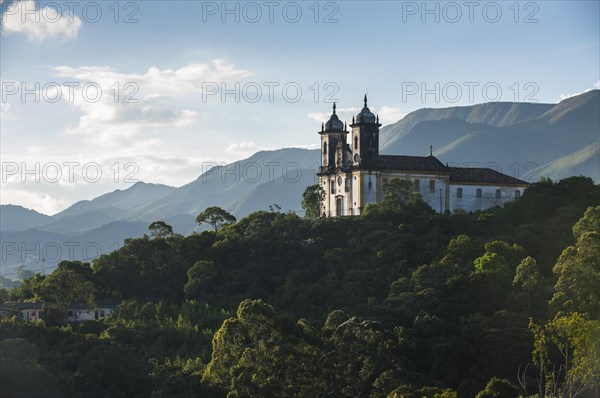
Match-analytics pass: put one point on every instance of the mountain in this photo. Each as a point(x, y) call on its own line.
point(131, 198)
point(519, 139)
point(495, 114)
point(18, 218)
point(583, 162)
point(239, 187)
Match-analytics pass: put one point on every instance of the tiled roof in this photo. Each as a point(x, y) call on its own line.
point(481, 176)
point(71, 306)
point(474, 175)
point(21, 306)
point(411, 163)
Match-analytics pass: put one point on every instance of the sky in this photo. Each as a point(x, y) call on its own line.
point(97, 95)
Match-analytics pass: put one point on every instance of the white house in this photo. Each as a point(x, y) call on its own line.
point(76, 312)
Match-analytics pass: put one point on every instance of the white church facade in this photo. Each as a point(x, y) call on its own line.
point(353, 174)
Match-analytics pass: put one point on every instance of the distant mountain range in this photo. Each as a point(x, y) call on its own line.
point(524, 140)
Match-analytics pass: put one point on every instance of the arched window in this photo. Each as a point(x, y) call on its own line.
point(356, 143)
point(478, 193)
point(459, 192)
point(517, 194)
point(325, 148)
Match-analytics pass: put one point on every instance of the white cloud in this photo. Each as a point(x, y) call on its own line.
point(39, 24)
point(595, 86)
point(389, 114)
point(131, 103)
point(4, 108)
point(343, 114)
point(243, 148)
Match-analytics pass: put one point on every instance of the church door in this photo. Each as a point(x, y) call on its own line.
point(338, 207)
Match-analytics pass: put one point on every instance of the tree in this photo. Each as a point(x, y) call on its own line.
point(498, 388)
point(215, 217)
point(577, 339)
point(528, 278)
point(312, 198)
point(160, 229)
point(399, 193)
point(61, 288)
point(590, 222)
point(201, 279)
point(259, 354)
point(21, 374)
point(578, 270)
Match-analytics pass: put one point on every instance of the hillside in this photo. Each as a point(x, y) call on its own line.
point(18, 218)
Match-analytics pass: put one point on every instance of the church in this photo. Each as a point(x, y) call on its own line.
point(353, 174)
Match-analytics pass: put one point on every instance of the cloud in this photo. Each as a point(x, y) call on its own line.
point(117, 106)
point(39, 24)
point(388, 114)
point(4, 108)
point(595, 86)
point(343, 114)
point(243, 148)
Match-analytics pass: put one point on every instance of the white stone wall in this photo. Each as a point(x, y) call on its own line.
point(369, 190)
point(31, 314)
point(355, 194)
point(470, 201)
point(87, 315)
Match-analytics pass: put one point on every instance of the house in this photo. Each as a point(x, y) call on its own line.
point(353, 174)
point(81, 313)
point(26, 311)
point(76, 312)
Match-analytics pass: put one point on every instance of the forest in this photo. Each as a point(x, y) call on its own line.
point(398, 302)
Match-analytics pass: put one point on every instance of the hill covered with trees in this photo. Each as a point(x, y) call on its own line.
point(399, 302)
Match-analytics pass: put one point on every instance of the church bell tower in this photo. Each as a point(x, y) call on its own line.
point(365, 138)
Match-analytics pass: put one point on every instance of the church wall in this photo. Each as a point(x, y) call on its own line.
point(369, 188)
point(356, 198)
point(470, 202)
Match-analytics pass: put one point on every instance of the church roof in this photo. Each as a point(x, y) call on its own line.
point(365, 115)
point(411, 163)
point(334, 123)
point(472, 175)
point(478, 175)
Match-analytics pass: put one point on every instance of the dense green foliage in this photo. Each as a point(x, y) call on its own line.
point(400, 302)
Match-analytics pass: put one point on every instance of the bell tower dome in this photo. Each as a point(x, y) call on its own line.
point(333, 133)
point(365, 138)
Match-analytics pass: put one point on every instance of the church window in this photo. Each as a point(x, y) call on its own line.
point(459, 192)
point(356, 143)
point(325, 148)
point(431, 185)
point(517, 194)
point(332, 187)
point(478, 193)
point(498, 194)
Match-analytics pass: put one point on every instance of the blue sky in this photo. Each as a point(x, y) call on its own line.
point(171, 55)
